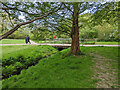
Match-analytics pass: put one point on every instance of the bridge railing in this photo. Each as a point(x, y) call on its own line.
point(69, 41)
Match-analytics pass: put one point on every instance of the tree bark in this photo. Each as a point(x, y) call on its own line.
point(75, 47)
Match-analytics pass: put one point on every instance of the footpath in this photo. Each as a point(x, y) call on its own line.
point(67, 45)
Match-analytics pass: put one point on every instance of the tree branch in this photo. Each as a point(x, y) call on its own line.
point(59, 29)
point(24, 23)
point(80, 26)
point(67, 25)
point(9, 18)
point(67, 7)
point(66, 20)
point(10, 8)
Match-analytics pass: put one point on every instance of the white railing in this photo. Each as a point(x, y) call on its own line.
point(69, 41)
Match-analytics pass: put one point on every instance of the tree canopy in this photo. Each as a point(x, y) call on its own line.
point(67, 17)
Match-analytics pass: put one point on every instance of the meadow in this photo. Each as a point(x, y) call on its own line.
point(64, 71)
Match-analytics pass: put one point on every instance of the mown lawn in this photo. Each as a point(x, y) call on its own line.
point(107, 43)
point(62, 71)
point(12, 41)
point(88, 42)
point(108, 52)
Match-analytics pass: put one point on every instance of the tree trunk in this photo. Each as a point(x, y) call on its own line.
point(75, 47)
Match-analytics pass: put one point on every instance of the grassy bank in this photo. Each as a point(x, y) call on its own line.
point(57, 71)
point(62, 71)
point(20, 57)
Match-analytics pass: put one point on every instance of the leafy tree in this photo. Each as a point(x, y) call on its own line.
point(40, 12)
point(42, 33)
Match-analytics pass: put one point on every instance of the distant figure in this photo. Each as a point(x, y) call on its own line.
point(27, 39)
point(54, 37)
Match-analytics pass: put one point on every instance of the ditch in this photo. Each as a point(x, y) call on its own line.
point(32, 64)
point(20, 69)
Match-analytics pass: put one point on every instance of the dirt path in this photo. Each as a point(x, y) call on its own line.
point(32, 42)
point(68, 45)
point(104, 73)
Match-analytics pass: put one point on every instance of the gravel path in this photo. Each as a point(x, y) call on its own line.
point(104, 73)
point(32, 42)
point(68, 45)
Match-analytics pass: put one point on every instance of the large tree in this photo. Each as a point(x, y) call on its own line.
point(75, 47)
point(40, 12)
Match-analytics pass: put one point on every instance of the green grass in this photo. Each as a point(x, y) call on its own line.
point(20, 57)
point(8, 51)
point(108, 52)
point(57, 71)
point(22, 41)
point(107, 43)
point(12, 49)
point(62, 71)
point(12, 41)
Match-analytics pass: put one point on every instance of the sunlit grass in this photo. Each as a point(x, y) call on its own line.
point(107, 43)
point(12, 41)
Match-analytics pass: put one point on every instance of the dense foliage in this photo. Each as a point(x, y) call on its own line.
point(21, 59)
point(98, 20)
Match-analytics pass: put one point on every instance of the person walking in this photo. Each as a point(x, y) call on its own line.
point(27, 39)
